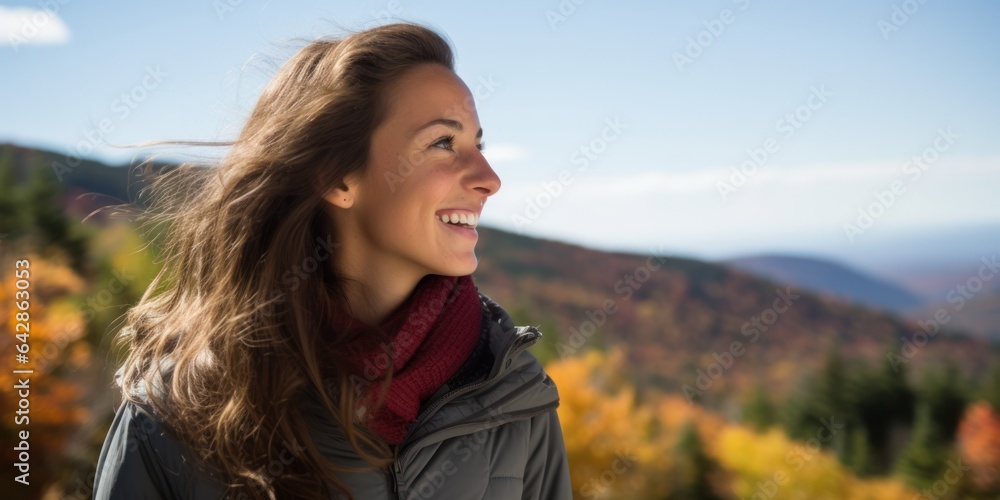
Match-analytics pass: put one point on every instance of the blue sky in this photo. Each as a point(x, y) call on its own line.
point(636, 116)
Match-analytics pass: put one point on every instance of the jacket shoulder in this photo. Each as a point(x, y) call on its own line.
point(139, 459)
point(546, 473)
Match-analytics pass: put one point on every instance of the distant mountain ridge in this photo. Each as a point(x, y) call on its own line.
point(978, 315)
point(831, 278)
point(88, 184)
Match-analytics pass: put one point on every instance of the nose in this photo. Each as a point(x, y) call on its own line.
point(485, 178)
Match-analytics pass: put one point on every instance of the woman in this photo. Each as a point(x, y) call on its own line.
point(318, 333)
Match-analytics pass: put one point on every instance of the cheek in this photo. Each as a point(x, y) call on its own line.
point(400, 213)
point(406, 203)
point(437, 187)
point(426, 190)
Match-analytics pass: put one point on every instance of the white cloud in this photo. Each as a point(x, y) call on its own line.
point(504, 152)
point(27, 26)
point(822, 176)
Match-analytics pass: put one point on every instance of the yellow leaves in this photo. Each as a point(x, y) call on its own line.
point(604, 430)
point(771, 465)
point(739, 450)
point(878, 489)
point(673, 411)
point(778, 467)
point(118, 240)
point(122, 243)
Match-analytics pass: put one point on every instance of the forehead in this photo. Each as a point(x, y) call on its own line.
point(428, 92)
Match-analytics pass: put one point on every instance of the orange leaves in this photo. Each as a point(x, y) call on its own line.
point(978, 442)
point(56, 327)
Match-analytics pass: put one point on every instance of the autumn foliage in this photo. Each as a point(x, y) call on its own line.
point(620, 447)
point(56, 355)
point(978, 443)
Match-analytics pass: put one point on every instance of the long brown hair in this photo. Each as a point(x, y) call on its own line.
point(241, 306)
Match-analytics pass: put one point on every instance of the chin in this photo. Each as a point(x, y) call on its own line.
point(466, 266)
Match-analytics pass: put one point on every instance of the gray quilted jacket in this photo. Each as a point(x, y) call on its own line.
point(497, 437)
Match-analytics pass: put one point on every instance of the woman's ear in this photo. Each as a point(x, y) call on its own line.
point(343, 196)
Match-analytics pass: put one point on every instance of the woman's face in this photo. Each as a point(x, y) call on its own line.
point(425, 162)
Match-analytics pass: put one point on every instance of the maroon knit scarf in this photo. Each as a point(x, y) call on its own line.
point(434, 331)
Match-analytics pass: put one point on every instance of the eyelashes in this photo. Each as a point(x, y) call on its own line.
point(450, 141)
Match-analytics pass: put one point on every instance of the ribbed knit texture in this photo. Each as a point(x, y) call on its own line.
point(434, 333)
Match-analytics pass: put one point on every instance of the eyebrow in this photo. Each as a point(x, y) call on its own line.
point(449, 123)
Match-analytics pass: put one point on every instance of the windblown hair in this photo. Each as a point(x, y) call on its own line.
point(241, 309)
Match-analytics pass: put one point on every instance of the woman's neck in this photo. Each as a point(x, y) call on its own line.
point(381, 294)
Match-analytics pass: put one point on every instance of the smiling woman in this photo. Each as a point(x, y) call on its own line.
point(264, 366)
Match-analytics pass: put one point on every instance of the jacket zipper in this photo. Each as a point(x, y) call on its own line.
point(395, 472)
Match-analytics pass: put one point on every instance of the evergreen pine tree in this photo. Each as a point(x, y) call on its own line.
point(693, 467)
point(11, 224)
point(924, 458)
point(946, 393)
point(51, 225)
point(899, 397)
point(990, 390)
point(827, 395)
point(831, 386)
point(759, 411)
point(882, 401)
point(861, 460)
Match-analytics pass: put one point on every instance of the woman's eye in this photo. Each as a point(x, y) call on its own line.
point(449, 141)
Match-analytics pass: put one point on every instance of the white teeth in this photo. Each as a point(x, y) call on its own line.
point(467, 219)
